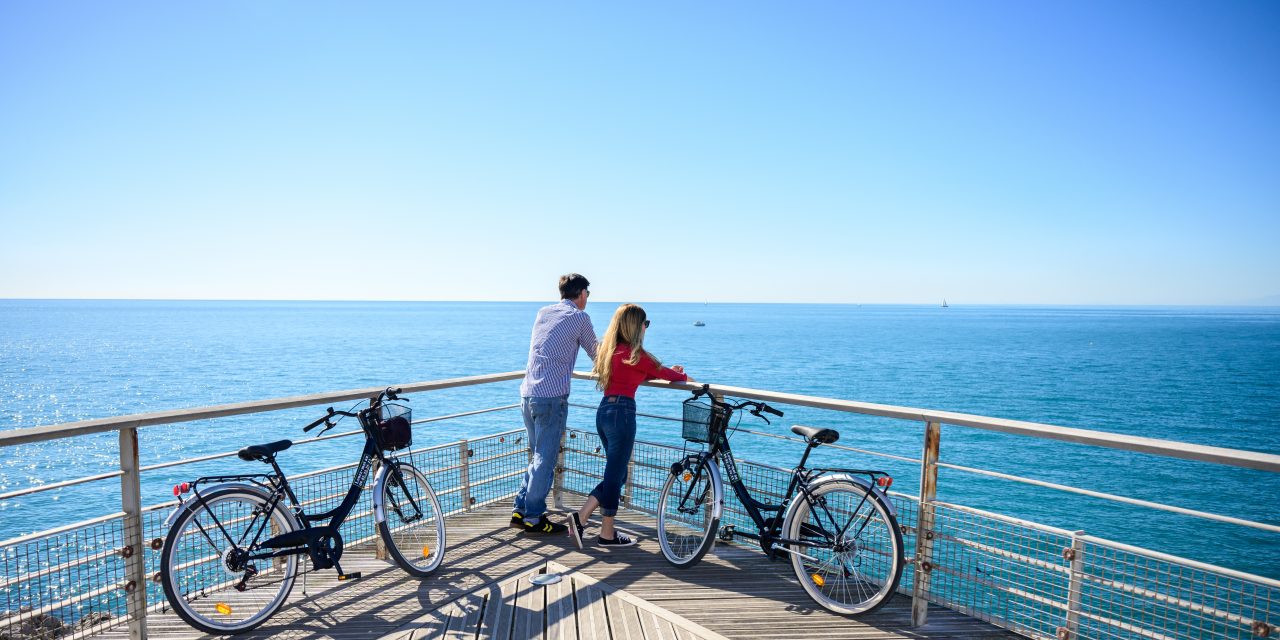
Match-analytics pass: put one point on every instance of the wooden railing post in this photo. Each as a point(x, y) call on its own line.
point(135, 565)
point(924, 523)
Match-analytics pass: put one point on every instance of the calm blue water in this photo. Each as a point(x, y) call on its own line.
point(1199, 375)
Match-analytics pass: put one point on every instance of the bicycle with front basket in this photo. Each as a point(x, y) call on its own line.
point(233, 549)
point(838, 526)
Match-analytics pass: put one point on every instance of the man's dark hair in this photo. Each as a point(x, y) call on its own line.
point(572, 285)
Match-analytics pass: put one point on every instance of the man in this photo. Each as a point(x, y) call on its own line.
point(559, 331)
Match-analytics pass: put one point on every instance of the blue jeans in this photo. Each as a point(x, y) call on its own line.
point(616, 424)
point(544, 421)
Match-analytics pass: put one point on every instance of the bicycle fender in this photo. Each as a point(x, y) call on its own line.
point(191, 502)
point(379, 512)
point(714, 468)
point(840, 477)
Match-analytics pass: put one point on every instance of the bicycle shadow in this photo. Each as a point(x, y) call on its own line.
point(482, 552)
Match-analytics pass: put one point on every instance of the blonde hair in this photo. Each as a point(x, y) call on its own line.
point(626, 327)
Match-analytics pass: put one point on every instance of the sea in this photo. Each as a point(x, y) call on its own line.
point(1199, 375)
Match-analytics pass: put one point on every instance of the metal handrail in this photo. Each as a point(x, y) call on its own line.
point(1168, 448)
point(929, 463)
point(84, 427)
point(1206, 515)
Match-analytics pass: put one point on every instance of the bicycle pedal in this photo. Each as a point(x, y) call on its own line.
point(349, 576)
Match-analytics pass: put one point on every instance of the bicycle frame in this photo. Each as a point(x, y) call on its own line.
point(768, 530)
point(307, 539)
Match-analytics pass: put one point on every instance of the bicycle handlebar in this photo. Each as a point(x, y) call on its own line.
point(388, 393)
point(758, 406)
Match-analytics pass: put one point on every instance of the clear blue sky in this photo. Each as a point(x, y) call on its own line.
point(1010, 152)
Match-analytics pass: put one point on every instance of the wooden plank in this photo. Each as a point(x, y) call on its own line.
point(561, 611)
point(475, 606)
point(530, 609)
point(624, 620)
point(593, 621)
point(504, 612)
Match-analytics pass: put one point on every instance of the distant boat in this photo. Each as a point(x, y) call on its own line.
point(699, 323)
point(944, 303)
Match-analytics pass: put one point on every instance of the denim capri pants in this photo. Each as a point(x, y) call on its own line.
point(616, 424)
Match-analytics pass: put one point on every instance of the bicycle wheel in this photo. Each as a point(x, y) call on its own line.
point(413, 525)
point(855, 559)
point(689, 513)
point(203, 568)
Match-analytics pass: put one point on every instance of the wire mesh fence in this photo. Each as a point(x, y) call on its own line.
point(1038, 581)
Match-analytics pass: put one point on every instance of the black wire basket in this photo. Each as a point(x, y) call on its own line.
point(702, 420)
point(392, 427)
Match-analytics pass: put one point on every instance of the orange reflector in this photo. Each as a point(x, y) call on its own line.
point(223, 608)
point(426, 551)
point(687, 476)
point(885, 481)
point(817, 579)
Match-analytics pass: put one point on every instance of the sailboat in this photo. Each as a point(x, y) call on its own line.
point(944, 303)
point(699, 323)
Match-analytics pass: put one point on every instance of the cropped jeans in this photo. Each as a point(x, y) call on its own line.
point(616, 424)
point(544, 421)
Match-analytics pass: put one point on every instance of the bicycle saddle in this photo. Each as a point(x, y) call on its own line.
point(264, 451)
point(814, 434)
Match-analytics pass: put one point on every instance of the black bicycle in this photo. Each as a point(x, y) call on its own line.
point(232, 552)
point(837, 525)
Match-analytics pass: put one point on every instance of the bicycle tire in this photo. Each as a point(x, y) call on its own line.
point(413, 529)
point(686, 534)
point(858, 569)
point(198, 581)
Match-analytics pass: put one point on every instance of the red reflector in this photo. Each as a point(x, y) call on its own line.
point(885, 481)
point(186, 486)
point(177, 490)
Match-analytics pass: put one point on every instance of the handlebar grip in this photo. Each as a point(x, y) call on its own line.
point(771, 410)
point(314, 424)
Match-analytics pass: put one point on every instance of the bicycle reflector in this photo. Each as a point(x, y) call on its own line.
point(223, 608)
point(179, 489)
point(426, 551)
point(885, 482)
point(817, 579)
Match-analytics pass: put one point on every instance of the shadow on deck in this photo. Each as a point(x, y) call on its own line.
point(734, 591)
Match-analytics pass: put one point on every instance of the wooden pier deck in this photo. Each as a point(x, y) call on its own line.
point(616, 594)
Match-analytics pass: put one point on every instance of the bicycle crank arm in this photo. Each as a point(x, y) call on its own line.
point(778, 547)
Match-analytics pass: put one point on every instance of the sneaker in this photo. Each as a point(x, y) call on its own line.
point(620, 539)
point(517, 520)
point(575, 530)
point(544, 528)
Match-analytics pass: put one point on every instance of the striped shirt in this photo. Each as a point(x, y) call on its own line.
point(557, 334)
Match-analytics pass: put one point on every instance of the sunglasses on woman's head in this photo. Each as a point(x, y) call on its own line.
point(646, 324)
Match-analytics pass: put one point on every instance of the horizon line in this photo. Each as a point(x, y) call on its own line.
point(1257, 305)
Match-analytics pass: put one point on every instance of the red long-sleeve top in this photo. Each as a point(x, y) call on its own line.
point(627, 377)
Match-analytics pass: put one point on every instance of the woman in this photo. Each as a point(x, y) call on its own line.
point(621, 364)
